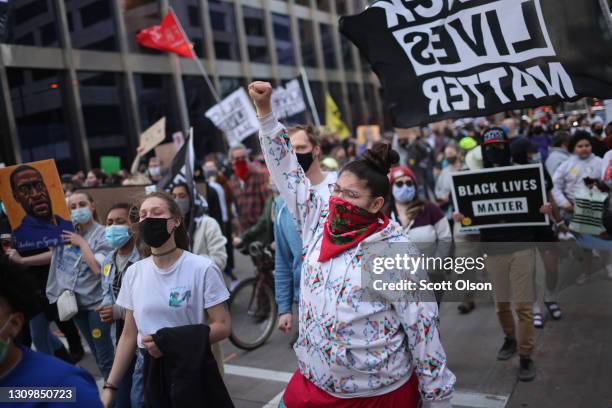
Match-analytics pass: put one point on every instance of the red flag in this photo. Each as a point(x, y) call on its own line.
point(168, 36)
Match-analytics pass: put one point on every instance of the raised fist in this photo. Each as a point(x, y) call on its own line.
point(261, 93)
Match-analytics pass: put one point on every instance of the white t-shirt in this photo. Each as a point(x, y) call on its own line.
point(323, 187)
point(171, 297)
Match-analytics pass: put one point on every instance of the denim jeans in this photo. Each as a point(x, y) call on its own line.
point(44, 341)
point(138, 382)
point(98, 337)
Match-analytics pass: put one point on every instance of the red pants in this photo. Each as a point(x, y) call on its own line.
point(301, 393)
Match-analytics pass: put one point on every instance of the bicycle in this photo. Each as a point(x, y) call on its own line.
point(252, 304)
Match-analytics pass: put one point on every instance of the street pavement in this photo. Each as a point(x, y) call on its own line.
point(573, 357)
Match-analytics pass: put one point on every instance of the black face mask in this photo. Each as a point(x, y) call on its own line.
point(497, 157)
point(305, 160)
point(154, 231)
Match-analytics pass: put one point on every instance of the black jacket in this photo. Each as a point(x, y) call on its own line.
point(187, 374)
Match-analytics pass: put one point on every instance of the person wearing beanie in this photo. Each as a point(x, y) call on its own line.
point(558, 152)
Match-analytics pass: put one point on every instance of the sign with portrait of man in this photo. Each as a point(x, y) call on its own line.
point(34, 200)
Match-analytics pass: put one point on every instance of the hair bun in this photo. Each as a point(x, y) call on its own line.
point(381, 157)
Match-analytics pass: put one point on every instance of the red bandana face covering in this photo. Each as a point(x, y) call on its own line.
point(241, 168)
point(346, 226)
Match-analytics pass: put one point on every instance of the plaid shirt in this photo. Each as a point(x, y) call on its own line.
point(249, 197)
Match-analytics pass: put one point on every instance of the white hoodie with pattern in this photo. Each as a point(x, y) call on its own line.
point(348, 347)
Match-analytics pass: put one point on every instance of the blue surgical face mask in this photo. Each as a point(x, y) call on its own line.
point(404, 194)
point(117, 235)
point(81, 215)
point(536, 158)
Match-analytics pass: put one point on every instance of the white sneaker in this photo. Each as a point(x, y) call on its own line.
point(566, 236)
point(582, 279)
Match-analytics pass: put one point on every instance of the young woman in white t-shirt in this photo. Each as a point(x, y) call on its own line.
point(171, 288)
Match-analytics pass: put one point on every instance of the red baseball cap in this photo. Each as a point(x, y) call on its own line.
point(401, 171)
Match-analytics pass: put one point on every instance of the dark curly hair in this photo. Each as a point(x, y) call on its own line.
point(374, 168)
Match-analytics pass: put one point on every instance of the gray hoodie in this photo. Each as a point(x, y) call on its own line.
point(556, 156)
point(570, 174)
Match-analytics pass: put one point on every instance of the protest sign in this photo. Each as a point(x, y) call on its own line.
point(235, 116)
point(153, 136)
point(368, 134)
point(288, 101)
point(452, 59)
point(35, 205)
point(105, 197)
point(165, 153)
point(110, 164)
point(500, 197)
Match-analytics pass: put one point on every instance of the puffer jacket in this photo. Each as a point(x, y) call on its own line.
point(570, 174)
point(349, 347)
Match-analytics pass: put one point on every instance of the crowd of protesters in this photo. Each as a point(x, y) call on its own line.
point(312, 198)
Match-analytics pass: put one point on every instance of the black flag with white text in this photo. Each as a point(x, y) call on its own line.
point(440, 59)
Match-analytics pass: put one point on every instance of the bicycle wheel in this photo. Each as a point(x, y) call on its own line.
point(253, 312)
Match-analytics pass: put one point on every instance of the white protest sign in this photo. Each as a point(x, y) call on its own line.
point(288, 101)
point(153, 136)
point(608, 105)
point(235, 116)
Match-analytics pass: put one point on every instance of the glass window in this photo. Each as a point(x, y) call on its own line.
point(29, 23)
point(365, 65)
point(104, 113)
point(347, 53)
point(256, 34)
point(140, 14)
point(324, 5)
point(318, 97)
point(156, 98)
point(305, 3)
point(372, 114)
point(188, 13)
point(335, 90)
point(282, 35)
point(39, 104)
point(91, 24)
point(341, 8)
point(229, 85)
point(308, 48)
point(354, 100)
point(225, 35)
point(199, 99)
point(327, 41)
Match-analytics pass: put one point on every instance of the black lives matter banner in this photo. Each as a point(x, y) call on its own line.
point(462, 58)
point(508, 196)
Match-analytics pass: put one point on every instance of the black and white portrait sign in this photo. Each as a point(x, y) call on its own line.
point(289, 100)
point(441, 59)
point(235, 116)
point(503, 196)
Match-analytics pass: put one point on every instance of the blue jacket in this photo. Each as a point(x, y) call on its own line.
point(287, 258)
point(109, 270)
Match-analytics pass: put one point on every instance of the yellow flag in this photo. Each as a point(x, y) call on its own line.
point(333, 121)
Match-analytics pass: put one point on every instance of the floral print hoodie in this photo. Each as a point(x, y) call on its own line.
point(348, 347)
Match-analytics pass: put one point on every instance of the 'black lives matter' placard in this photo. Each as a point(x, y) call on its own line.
point(502, 196)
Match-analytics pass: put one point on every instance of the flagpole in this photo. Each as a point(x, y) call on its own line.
point(313, 108)
point(205, 75)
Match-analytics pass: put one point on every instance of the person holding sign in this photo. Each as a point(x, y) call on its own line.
point(512, 272)
point(76, 267)
point(332, 346)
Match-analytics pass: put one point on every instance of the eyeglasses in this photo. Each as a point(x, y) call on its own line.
point(401, 184)
point(336, 191)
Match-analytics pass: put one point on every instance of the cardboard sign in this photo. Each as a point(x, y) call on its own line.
point(288, 101)
point(368, 134)
point(165, 153)
point(500, 197)
point(110, 164)
point(235, 116)
point(34, 200)
point(153, 135)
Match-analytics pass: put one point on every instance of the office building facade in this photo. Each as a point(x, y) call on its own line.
point(75, 85)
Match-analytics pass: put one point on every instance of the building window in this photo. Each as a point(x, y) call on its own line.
point(282, 36)
point(324, 5)
point(355, 101)
point(347, 53)
point(29, 23)
point(188, 13)
point(138, 15)
point(199, 99)
point(308, 46)
point(40, 107)
point(335, 90)
point(255, 29)
point(372, 115)
point(225, 35)
point(91, 24)
point(104, 114)
point(156, 99)
point(327, 41)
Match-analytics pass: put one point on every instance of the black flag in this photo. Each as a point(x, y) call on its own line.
point(441, 59)
point(181, 171)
